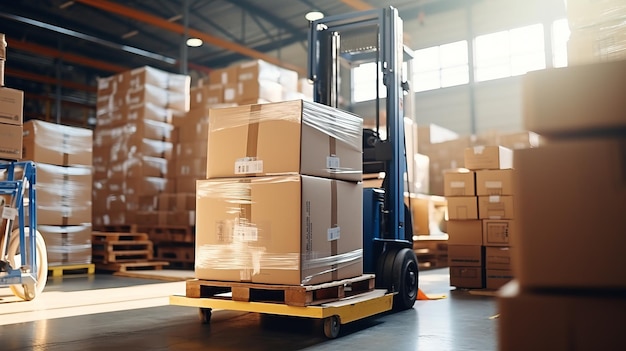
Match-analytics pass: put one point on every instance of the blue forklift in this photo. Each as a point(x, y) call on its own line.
point(336, 42)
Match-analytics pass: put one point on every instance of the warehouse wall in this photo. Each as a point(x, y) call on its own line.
point(496, 103)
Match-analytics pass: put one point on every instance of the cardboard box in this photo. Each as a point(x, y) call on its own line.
point(465, 255)
point(146, 75)
point(462, 207)
point(596, 44)
point(206, 95)
point(259, 89)
point(195, 132)
point(10, 141)
point(134, 167)
point(67, 244)
point(496, 278)
point(495, 207)
point(191, 167)
point(497, 232)
point(279, 230)
point(428, 213)
point(186, 184)
point(148, 129)
point(256, 70)
point(488, 157)
point(57, 144)
point(519, 140)
point(467, 277)
point(567, 192)
point(494, 182)
point(559, 322)
point(177, 202)
point(465, 232)
point(289, 137)
point(158, 96)
point(432, 134)
point(459, 182)
point(497, 257)
point(136, 146)
point(226, 75)
point(11, 106)
point(191, 149)
point(583, 99)
point(147, 186)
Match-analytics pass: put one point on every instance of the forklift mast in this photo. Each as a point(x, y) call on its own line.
point(363, 37)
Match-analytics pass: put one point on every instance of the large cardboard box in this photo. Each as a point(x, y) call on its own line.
point(575, 100)
point(191, 149)
point(67, 244)
point(465, 255)
point(497, 232)
point(459, 182)
point(11, 106)
point(253, 90)
point(568, 193)
point(495, 207)
point(10, 141)
point(467, 277)
point(177, 202)
point(465, 232)
point(57, 144)
point(288, 137)
point(145, 166)
point(279, 230)
point(488, 157)
point(227, 75)
point(258, 70)
point(496, 278)
point(191, 167)
point(498, 257)
point(494, 182)
point(206, 95)
point(559, 322)
point(146, 75)
point(428, 213)
point(462, 207)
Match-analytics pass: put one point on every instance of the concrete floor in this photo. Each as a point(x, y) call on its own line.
point(105, 312)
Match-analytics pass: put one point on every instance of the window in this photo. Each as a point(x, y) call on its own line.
point(364, 83)
point(560, 35)
point(441, 66)
point(509, 53)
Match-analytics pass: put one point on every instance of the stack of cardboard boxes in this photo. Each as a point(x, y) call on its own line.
point(480, 210)
point(11, 114)
point(252, 82)
point(63, 158)
point(282, 200)
point(597, 31)
point(569, 241)
point(134, 143)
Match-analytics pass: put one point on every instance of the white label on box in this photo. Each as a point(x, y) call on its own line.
point(493, 184)
point(248, 165)
point(9, 213)
point(457, 184)
point(494, 198)
point(332, 162)
point(229, 94)
point(334, 233)
point(245, 233)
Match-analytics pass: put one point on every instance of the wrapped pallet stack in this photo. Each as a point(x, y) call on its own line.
point(134, 143)
point(569, 241)
point(63, 156)
point(278, 206)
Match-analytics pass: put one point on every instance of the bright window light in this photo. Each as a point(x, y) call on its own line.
point(364, 83)
point(441, 66)
point(560, 36)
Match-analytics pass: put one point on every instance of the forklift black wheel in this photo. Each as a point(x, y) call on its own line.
point(405, 279)
point(205, 315)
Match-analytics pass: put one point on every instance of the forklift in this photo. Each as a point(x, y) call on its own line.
point(334, 43)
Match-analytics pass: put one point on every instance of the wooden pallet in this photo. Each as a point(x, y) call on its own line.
point(171, 233)
point(121, 228)
point(60, 270)
point(117, 236)
point(293, 295)
point(175, 253)
point(121, 251)
point(130, 266)
point(180, 265)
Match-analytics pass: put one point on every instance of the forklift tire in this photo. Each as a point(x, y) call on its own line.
point(384, 269)
point(405, 279)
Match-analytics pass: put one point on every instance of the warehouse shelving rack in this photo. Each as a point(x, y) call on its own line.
point(23, 260)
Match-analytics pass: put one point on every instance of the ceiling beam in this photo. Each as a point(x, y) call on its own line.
point(358, 5)
point(48, 80)
point(81, 60)
point(177, 28)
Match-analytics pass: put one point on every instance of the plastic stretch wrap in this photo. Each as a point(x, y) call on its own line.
point(67, 244)
point(57, 144)
point(594, 13)
point(145, 166)
point(286, 137)
point(144, 75)
point(284, 229)
point(65, 186)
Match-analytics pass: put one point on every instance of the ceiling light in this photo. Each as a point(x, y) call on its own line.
point(314, 16)
point(194, 42)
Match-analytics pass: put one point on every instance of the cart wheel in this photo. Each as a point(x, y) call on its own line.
point(331, 326)
point(205, 315)
point(405, 279)
point(14, 256)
